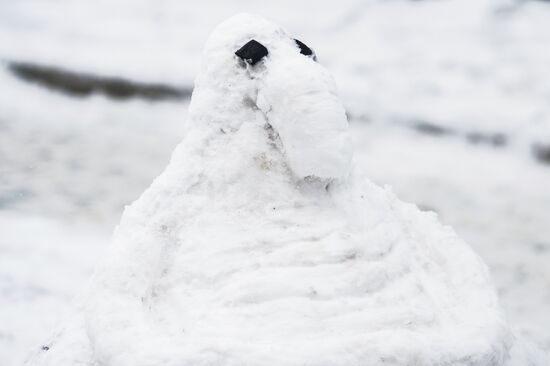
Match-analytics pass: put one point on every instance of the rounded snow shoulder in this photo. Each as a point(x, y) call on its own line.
point(259, 244)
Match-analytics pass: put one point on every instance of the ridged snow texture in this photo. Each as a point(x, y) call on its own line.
point(259, 245)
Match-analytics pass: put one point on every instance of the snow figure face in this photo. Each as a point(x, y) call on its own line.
point(253, 68)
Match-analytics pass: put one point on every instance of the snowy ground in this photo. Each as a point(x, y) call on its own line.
point(448, 100)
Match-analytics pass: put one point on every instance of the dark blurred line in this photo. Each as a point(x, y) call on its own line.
point(541, 153)
point(475, 138)
point(81, 84)
point(429, 128)
point(496, 139)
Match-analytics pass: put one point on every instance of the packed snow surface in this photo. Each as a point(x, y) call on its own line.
point(250, 249)
point(446, 101)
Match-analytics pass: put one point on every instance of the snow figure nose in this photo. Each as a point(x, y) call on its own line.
point(298, 97)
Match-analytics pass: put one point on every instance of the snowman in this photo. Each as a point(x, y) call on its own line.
point(260, 245)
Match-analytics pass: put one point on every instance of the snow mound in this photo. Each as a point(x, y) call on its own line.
point(259, 245)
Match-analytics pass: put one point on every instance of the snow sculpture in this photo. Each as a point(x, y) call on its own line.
point(259, 245)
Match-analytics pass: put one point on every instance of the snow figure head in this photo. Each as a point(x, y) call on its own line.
point(254, 72)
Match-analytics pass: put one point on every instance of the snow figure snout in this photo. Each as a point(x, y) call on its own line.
point(299, 100)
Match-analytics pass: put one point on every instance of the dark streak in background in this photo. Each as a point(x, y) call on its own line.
point(429, 128)
point(496, 139)
point(541, 153)
point(81, 84)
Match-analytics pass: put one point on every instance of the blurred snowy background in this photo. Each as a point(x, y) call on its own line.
point(449, 101)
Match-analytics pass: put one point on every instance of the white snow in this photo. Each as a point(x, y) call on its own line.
point(43, 264)
point(469, 66)
point(230, 258)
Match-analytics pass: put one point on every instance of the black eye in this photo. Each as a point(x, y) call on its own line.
point(305, 50)
point(252, 52)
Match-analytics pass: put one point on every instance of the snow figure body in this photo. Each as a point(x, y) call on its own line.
point(258, 245)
